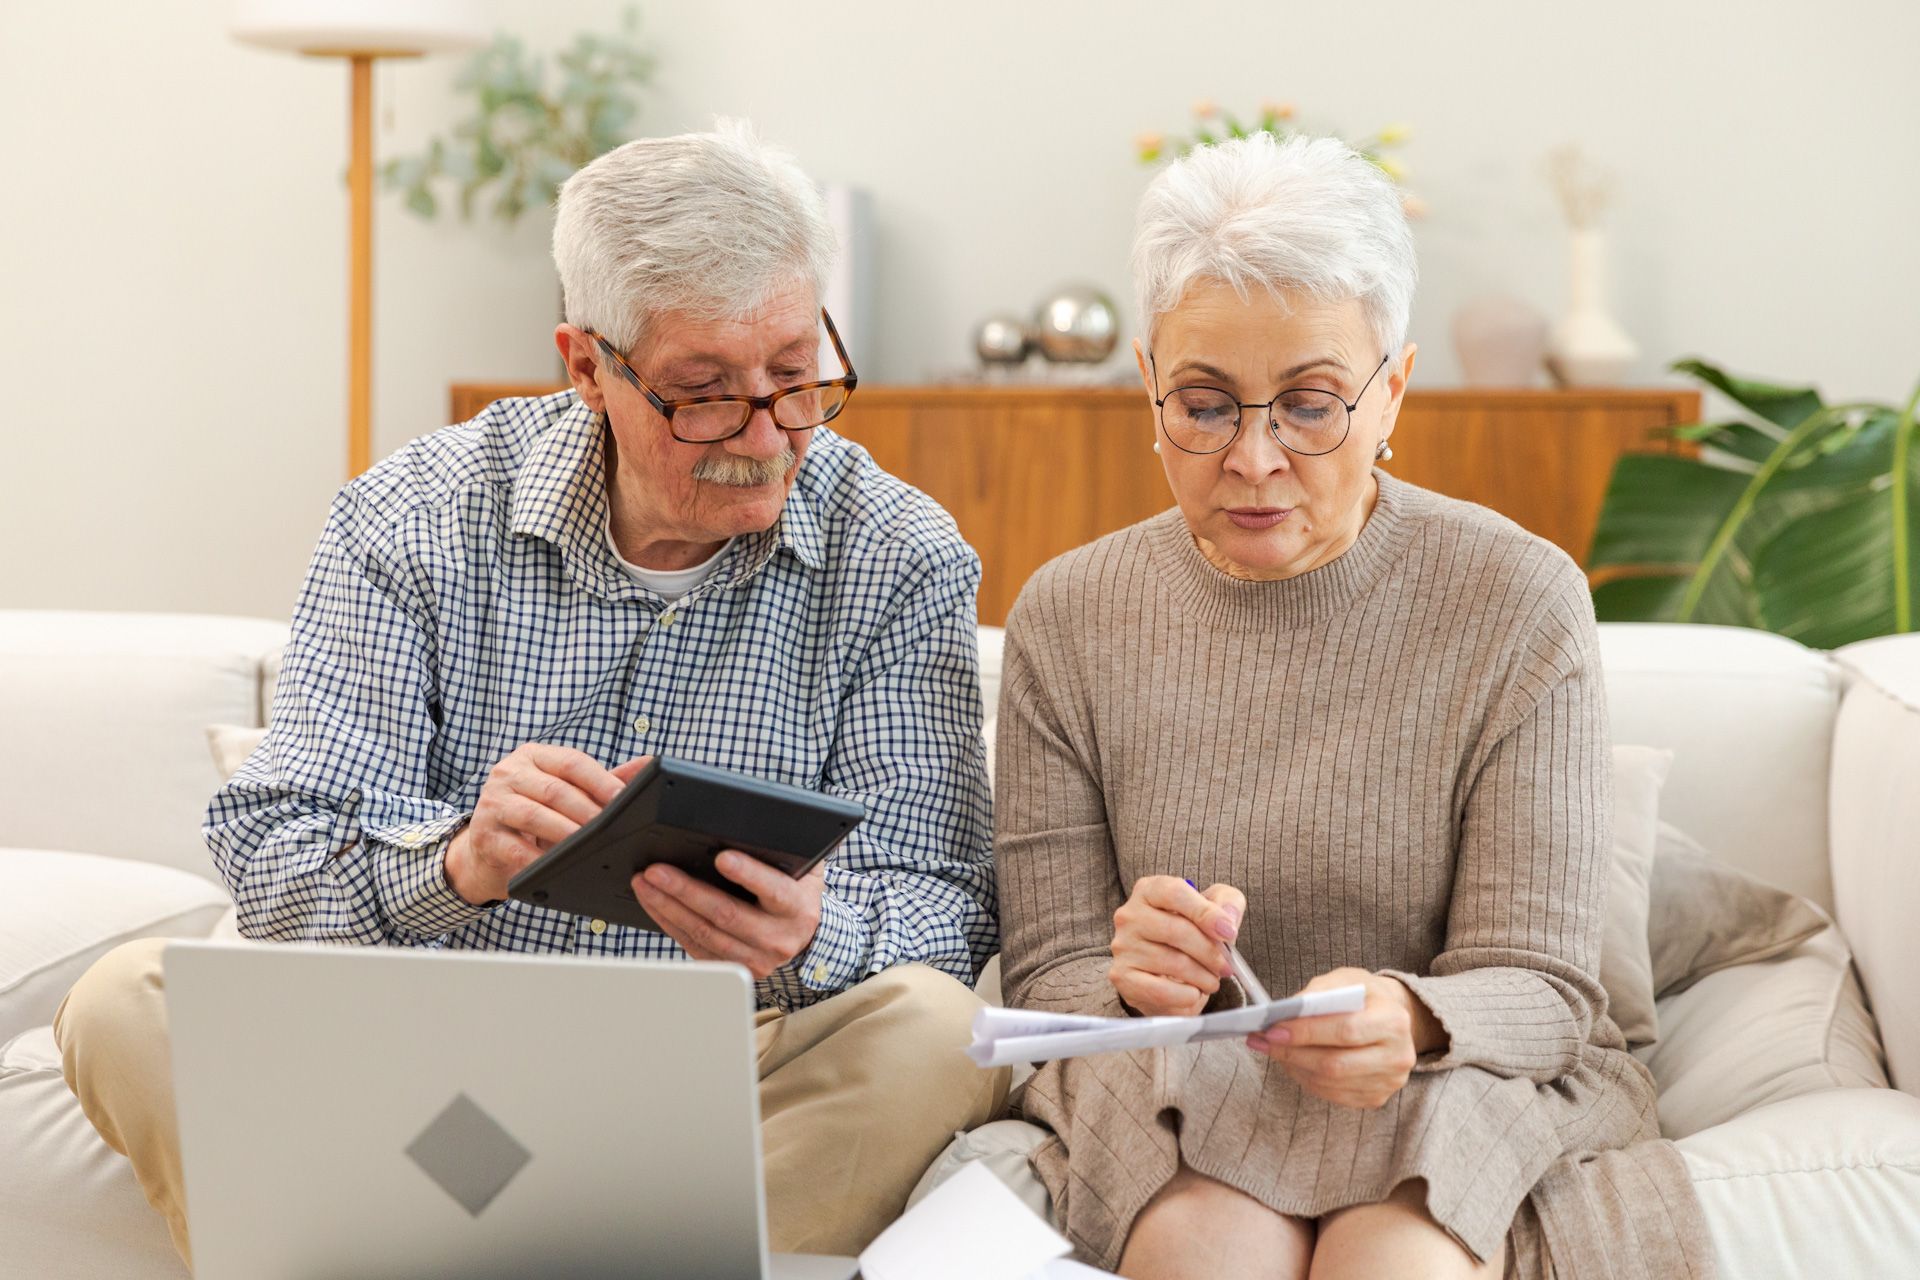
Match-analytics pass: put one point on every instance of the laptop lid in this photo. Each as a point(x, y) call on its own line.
point(362, 1112)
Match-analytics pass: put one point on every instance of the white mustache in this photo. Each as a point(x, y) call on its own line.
point(745, 473)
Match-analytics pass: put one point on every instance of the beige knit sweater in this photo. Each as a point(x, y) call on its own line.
point(1402, 759)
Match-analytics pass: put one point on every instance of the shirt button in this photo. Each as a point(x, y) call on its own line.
point(642, 725)
point(598, 926)
point(819, 973)
point(666, 619)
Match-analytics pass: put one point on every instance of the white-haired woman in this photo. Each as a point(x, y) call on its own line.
point(1368, 721)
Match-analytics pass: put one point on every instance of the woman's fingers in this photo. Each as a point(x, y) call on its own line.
point(1220, 923)
point(1168, 962)
point(1153, 995)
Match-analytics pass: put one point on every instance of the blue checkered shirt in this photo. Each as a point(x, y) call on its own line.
point(464, 600)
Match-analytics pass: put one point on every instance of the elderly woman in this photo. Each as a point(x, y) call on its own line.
point(1368, 722)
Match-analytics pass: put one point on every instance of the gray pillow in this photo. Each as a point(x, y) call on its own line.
point(1707, 916)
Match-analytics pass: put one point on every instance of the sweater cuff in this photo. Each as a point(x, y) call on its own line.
point(1079, 985)
point(1508, 1021)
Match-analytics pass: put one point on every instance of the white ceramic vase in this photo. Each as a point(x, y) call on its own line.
point(1590, 349)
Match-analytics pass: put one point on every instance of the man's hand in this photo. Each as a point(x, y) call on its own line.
point(1170, 944)
point(714, 925)
point(1359, 1059)
point(532, 800)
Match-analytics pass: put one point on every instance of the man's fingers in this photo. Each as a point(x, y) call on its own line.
point(778, 892)
point(577, 767)
point(533, 819)
point(690, 929)
point(720, 910)
point(1172, 894)
point(628, 771)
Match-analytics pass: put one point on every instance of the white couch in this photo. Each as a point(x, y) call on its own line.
point(1799, 767)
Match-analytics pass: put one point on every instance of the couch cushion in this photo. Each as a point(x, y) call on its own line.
point(1827, 1184)
point(69, 1204)
point(1876, 811)
point(102, 723)
point(59, 912)
point(1759, 1033)
point(1749, 717)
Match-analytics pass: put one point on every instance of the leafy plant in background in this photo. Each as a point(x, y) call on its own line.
point(1212, 125)
point(1799, 519)
point(523, 140)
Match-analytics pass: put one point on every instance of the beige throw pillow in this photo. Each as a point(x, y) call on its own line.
point(1707, 916)
point(232, 744)
point(1626, 967)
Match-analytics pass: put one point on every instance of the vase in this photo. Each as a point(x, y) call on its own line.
point(1590, 349)
point(1500, 341)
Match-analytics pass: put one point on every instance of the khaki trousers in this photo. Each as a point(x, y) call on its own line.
point(858, 1093)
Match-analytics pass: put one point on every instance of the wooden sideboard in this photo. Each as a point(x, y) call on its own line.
point(1030, 472)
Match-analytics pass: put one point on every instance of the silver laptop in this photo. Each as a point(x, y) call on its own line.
point(370, 1113)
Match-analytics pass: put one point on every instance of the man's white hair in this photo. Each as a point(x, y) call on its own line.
point(711, 224)
point(1309, 215)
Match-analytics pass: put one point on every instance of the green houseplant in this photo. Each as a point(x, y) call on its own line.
point(1797, 519)
point(525, 138)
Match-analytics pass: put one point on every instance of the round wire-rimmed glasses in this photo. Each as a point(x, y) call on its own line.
point(711, 419)
point(1305, 420)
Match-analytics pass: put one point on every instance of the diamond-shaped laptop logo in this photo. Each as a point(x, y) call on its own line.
point(468, 1155)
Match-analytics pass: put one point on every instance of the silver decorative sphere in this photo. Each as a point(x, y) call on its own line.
point(1001, 339)
point(1076, 325)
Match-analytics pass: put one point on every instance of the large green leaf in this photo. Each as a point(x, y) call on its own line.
point(1799, 523)
point(1826, 579)
point(1662, 510)
point(1784, 406)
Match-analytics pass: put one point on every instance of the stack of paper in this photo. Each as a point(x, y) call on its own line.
point(971, 1228)
point(1005, 1036)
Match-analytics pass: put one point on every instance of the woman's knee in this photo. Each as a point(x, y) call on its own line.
point(1198, 1226)
point(1398, 1234)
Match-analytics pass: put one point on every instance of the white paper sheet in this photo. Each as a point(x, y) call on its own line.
point(1002, 1037)
point(970, 1228)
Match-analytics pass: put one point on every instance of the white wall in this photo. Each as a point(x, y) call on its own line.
point(172, 232)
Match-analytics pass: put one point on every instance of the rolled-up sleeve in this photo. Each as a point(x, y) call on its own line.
point(914, 881)
point(328, 832)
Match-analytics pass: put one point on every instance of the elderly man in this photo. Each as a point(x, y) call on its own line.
point(507, 617)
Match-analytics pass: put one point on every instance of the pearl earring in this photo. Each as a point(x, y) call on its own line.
point(1156, 446)
point(1384, 453)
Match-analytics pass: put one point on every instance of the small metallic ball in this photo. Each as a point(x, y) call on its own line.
point(1001, 339)
point(1076, 325)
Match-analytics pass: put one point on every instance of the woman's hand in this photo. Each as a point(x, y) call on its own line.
point(1169, 944)
point(1355, 1059)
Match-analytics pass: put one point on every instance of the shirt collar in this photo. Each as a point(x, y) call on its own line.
point(560, 496)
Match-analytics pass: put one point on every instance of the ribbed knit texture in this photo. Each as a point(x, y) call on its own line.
point(1402, 760)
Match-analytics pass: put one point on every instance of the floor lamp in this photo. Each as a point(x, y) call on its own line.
point(359, 31)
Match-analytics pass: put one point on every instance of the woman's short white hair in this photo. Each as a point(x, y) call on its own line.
point(710, 224)
point(1309, 215)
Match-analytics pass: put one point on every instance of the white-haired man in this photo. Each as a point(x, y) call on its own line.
point(505, 618)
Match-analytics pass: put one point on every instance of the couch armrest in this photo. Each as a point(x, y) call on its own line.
point(1827, 1184)
point(1875, 810)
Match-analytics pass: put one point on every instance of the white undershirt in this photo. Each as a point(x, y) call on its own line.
point(670, 584)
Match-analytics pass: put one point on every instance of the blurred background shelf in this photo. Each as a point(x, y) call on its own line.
point(1030, 472)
